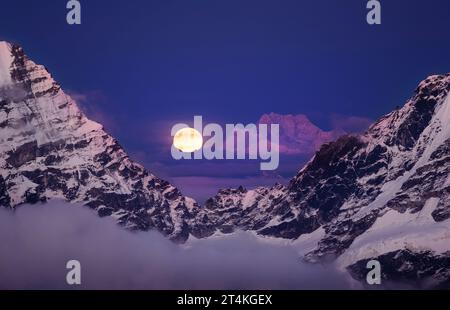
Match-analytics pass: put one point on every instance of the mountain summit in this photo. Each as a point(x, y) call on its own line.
point(298, 135)
point(381, 195)
point(50, 150)
point(384, 194)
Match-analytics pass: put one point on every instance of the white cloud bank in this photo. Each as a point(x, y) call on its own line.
point(37, 241)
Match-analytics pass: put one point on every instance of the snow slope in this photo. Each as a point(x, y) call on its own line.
point(5, 63)
point(50, 150)
point(384, 194)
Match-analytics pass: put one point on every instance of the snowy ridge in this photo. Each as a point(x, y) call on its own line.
point(384, 194)
point(298, 135)
point(393, 231)
point(50, 150)
point(362, 196)
point(5, 63)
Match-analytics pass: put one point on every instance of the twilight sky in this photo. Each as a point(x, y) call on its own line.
point(140, 66)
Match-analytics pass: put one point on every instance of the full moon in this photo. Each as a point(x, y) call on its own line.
point(188, 140)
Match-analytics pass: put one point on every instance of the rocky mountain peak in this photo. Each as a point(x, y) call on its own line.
point(384, 194)
point(50, 150)
point(298, 135)
point(404, 126)
point(340, 205)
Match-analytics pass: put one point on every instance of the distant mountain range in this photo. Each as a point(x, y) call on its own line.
point(384, 194)
point(298, 135)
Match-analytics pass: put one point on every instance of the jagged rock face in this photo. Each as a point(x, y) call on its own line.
point(422, 269)
point(50, 150)
point(401, 163)
point(384, 194)
point(298, 136)
point(233, 209)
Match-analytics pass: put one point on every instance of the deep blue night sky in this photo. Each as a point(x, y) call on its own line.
point(146, 62)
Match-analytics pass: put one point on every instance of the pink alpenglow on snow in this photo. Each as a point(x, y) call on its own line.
point(298, 135)
point(5, 63)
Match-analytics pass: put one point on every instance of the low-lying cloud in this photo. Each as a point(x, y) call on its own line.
point(37, 242)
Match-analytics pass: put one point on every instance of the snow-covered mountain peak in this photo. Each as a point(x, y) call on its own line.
point(298, 135)
point(6, 60)
point(343, 204)
point(5, 48)
point(50, 150)
point(398, 169)
point(403, 126)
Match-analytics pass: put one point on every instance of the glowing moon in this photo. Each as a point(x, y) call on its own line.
point(188, 140)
